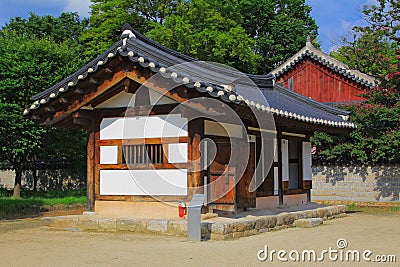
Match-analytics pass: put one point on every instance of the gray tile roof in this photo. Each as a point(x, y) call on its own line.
point(204, 77)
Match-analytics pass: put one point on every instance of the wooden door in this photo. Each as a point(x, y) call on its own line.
point(222, 176)
point(244, 198)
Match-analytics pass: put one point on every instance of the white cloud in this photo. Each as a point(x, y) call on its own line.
point(80, 6)
point(346, 26)
point(371, 2)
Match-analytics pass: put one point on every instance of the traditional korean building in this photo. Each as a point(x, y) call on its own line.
point(314, 74)
point(163, 127)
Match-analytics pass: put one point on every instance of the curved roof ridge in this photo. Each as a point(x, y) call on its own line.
point(330, 62)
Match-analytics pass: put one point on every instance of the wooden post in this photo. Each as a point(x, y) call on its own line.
point(90, 170)
point(280, 189)
point(196, 129)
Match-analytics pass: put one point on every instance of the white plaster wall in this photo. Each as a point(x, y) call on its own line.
point(158, 99)
point(285, 160)
point(144, 182)
point(108, 154)
point(172, 125)
point(178, 153)
point(121, 100)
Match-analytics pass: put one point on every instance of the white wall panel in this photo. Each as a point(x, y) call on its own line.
point(143, 182)
point(121, 100)
point(158, 99)
point(285, 160)
point(178, 153)
point(276, 180)
point(172, 125)
point(307, 161)
point(108, 154)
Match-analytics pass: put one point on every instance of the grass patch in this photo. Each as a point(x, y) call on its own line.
point(374, 209)
point(32, 203)
point(367, 207)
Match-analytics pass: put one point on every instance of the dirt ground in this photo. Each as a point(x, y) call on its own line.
point(25, 243)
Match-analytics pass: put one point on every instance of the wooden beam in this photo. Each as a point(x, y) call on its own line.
point(49, 109)
point(83, 122)
point(79, 91)
point(93, 81)
point(36, 117)
point(90, 171)
point(63, 100)
point(78, 103)
point(108, 70)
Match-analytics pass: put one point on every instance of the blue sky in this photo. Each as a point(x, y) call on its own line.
point(334, 17)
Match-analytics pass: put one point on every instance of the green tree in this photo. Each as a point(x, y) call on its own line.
point(68, 26)
point(279, 28)
point(28, 66)
point(210, 31)
point(108, 16)
point(374, 50)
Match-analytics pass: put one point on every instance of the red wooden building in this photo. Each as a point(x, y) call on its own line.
point(314, 74)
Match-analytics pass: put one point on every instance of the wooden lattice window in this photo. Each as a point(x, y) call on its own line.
point(143, 154)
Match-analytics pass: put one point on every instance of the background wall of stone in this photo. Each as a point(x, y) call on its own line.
point(51, 179)
point(356, 183)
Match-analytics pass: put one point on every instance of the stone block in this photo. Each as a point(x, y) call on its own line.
point(160, 226)
point(88, 224)
point(64, 222)
point(281, 218)
point(126, 225)
point(141, 225)
point(307, 223)
point(221, 228)
point(177, 228)
point(241, 226)
point(107, 224)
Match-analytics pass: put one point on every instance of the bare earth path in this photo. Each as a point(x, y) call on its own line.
point(26, 244)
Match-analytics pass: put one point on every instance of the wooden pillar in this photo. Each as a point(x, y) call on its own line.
point(90, 170)
point(280, 182)
point(195, 133)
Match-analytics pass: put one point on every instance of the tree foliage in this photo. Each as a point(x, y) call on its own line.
point(253, 36)
point(278, 27)
point(375, 50)
point(108, 16)
point(210, 31)
point(68, 26)
point(28, 66)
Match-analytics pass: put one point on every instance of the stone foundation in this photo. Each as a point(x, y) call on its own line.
point(219, 228)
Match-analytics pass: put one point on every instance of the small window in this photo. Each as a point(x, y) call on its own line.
point(290, 83)
point(143, 154)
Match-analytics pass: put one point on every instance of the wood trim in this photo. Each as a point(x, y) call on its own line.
point(140, 141)
point(90, 184)
point(143, 166)
point(137, 198)
point(78, 103)
point(295, 192)
point(97, 160)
